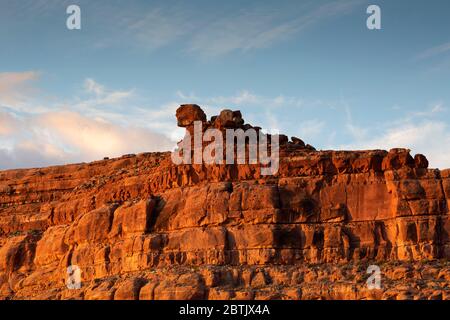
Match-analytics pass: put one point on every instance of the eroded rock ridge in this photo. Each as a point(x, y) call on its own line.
point(140, 227)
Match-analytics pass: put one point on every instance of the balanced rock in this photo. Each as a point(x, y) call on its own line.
point(188, 113)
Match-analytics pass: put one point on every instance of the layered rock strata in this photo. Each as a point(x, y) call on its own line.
point(141, 227)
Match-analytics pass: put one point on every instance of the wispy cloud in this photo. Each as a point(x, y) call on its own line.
point(15, 87)
point(160, 27)
point(101, 96)
point(434, 51)
point(219, 31)
point(310, 129)
point(100, 121)
point(244, 98)
point(357, 132)
point(421, 131)
point(63, 136)
point(200, 30)
point(433, 110)
point(34, 8)
point(71, 131)
point(262, 27)
point(8, 124)
point(420, 137)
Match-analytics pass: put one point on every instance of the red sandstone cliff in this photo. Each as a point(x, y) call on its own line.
point(140, 227)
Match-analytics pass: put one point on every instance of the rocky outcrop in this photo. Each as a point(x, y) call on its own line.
point(140, 227)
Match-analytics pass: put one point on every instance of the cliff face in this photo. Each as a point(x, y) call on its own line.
point(141, 227)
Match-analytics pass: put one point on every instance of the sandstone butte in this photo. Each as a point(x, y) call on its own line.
point(140, 227)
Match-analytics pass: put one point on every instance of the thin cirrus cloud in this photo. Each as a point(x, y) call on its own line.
point(262, 28)
point(101, 96)
point(157, 29)
point(203, 31)
point(433, 52)
point(221, 32)
point(243, 98)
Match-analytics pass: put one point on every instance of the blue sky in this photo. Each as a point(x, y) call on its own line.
point(307, 68)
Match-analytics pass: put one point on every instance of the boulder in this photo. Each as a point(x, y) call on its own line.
point(132, 218)
point(297, 141)
point(229, 119)
point(421, 161)
point(188, 113)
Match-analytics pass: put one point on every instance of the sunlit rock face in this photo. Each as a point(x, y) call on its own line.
point(141, 227)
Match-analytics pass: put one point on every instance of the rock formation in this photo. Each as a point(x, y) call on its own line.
point(140, 227)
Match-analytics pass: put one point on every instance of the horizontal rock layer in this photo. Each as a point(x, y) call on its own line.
point(141, 227)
